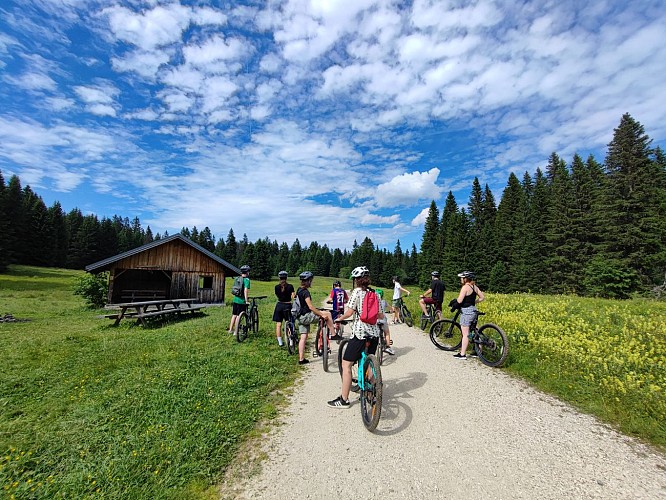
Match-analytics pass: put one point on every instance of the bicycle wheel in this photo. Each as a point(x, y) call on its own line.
point(254, 316)
point(326, 346)
point(371, 393)
point(242, 327)
point(406, 316)
point(288, 335)
point(318, 342)
point(380, 348)
point(492, 347)
point(424, 322)
point(446, 335)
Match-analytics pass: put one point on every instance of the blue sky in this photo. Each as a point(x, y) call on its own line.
point(317, 120)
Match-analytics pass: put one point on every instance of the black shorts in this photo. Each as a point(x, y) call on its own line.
point(236, 308)
point(282, 312)
point(335, 314)
point(355, 348)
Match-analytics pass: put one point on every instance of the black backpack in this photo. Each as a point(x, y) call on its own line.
point(238, 286)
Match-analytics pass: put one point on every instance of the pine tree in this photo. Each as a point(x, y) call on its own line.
point(230, 248)
point(14, 237)
point(295, 254)
point(429, 242)
point(508, 226)
point(4, 228)
point(56, 219)
point(538, 249)
point(636, 221)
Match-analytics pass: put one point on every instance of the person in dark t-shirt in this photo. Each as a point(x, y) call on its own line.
point(285, 293)
point(433, 295)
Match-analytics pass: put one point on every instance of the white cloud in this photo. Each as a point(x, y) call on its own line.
point(420, 219)
point(144, 63)
point(408, 189)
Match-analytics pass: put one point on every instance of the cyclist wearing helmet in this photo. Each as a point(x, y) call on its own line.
point(285, 294)
point(338, 298)
point(239, 304)
point(433, 295)
point(398, 290)
point(469, 296)
point(309, 314)
point(360, 332)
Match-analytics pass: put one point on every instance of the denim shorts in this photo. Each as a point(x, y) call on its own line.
point(468, 315)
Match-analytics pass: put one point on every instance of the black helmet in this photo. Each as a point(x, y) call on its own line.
point(306, 275)
point(469, 275)
point(435, 274)
point(245, 269)
point(394, 278)
point(282, 275)
point(337, 283)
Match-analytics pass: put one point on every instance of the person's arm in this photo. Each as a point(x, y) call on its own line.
point(461, 295)
point(246, 291)
point(317, 312)
point(427, 292)
point(405, 290)
point(480, 297)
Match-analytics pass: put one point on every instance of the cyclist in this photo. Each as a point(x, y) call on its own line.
point(285, 294)
point(360, 332)
point(338, 298)
point(398, 290)
point(239, 304)
point(433, 295)
point(383, 323)
point(308, 314)
point(469, 296)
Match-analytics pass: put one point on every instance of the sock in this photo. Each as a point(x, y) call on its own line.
point(280, 341)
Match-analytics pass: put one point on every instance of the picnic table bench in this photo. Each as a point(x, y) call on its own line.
point(152, 308)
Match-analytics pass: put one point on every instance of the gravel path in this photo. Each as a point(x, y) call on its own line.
point(449, 429)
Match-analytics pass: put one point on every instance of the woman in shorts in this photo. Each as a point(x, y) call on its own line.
point(469, 296)
point(285, 294)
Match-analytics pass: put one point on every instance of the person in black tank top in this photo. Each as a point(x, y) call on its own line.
point(469, 296)
point(285, 294)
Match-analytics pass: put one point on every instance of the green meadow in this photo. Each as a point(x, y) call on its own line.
point(92, 410)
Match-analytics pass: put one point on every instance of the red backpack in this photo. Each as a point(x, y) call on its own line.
point(370, 309)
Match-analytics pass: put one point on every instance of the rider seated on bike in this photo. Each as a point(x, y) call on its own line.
point(309, 314)
point(383, 323)
point(239, 304)
point(338, 298)
point(433, 295)
point(469, 296)
point(360, 333)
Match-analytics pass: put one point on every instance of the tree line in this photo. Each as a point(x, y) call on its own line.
point(585, 228)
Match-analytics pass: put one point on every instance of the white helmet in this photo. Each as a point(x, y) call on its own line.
point(360, 271)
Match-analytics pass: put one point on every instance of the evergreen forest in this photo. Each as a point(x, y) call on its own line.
point(586, 228)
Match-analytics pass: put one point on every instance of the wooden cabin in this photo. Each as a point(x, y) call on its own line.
point(171, 268)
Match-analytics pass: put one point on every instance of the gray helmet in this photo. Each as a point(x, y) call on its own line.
point(245, 269)
point(469, 275)
point(282, 275)
point(435, 274)
point(360, 271)
point(306, 275)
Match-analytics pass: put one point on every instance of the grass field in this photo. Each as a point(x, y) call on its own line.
point(91, 410)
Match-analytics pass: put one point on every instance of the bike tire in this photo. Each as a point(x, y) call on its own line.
point(242, 327)
point(371, 393)
point(326, 345)
point(424, 322)
point(380, 348)
point(289, 337)
point(318, 342)
point(492, 346)
point(341, 352)
point(407, 316)
point(446, 335)
point(255, 319)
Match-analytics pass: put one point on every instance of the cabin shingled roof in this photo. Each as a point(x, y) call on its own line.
point(110, 260)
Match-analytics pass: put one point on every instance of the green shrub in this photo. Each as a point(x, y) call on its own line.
point(608, 278)
point(93, 288)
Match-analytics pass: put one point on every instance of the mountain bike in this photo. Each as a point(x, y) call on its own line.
point(323, 342)
point(432, 313)
point(404, 316)
point(490, 342)
point(289, 334)
point(248, 320)
point(367, 374)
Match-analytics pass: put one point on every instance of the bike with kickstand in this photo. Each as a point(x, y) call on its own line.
point(248, 321)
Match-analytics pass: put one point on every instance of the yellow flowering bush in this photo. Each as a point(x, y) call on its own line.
point(614, 348)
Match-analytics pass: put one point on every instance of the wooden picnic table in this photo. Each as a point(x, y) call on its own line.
point(152, 308)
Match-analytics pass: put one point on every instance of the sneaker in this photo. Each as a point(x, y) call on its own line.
point(473, 354)
point(315, 354)
point(303, 361)
point(389, 350)
point(339, 403)
point(459, 356)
